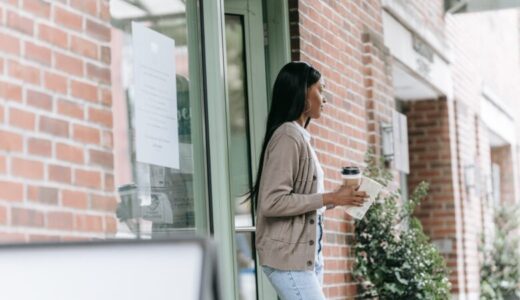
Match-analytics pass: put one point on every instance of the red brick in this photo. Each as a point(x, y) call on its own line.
point(30, 169)
point(106, 55)
point(41, 147)
point(26, 217)
point(98, 74)
point(109, 182)
point(3, 215)
point(89, 7)
point(98, 31)
point(86, 134)
point(91, 179)
point(101, 158)
point(59, 173)
point(10, 141)
point(21, 119)
point(11, 191)
point(20, 23)
point(68, 19)
point(39, 100)
point(53, 35)
point(25, 73)
point(107, 139)
point(10, 91)
point(54, 126)
point(104, 11)
point(38, 53)
point(83, 47)
point(70, 109)
point(39, 8)
point(104, 203)
point(55, 82)
point(106, 97)
point(69, 153)
point(110, 224)
point(101, 116)
point(9, 44)
point(68, 64)
point(43, 195)
point(88, 223)
point(84, 91)
point(60, 220)
point(9, 238)
point(74, 199)
point(3, 165)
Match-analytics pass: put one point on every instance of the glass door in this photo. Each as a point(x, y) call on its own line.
point(246, 111)
point(240, 155)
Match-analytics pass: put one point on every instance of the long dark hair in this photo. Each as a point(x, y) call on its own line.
point(287, 104)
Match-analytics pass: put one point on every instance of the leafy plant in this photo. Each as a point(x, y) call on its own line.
point(500, 268)
point(394, 258)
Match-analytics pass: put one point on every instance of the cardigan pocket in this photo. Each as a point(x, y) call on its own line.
point(290, 231)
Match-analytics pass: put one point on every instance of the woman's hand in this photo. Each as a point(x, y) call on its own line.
point(345, 195)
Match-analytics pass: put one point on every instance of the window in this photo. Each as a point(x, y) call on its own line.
point(70, 167)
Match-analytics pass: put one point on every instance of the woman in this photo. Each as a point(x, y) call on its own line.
point(289, 189)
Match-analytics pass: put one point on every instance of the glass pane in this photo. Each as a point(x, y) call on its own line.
point(246, 266)
point(67, 123)
point(157, 199)
point(240, 160)
point(238, 119)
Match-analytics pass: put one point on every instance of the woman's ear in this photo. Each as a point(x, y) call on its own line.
point(307, 107)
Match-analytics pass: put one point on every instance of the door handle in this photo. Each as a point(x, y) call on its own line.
point(245, 229)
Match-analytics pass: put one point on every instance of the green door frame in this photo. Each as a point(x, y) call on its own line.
point(222, 213)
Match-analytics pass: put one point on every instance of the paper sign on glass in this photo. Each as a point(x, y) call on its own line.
point(156, 135)
point(372, 188)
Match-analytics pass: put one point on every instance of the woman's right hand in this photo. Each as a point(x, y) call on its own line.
point(345, 195)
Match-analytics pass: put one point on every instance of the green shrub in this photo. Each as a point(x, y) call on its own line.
point(394, 258)
point(500, 268)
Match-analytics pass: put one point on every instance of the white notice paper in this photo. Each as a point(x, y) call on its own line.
point(372, 188)
point(156, 134)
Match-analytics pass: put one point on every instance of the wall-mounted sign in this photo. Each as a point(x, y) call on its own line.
point(417, 54)
point(421, 47)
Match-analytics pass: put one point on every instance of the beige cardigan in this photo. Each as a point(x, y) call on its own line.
point(287, 203)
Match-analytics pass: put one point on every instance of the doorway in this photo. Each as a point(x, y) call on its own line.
point(246, 103)
point(247, 107)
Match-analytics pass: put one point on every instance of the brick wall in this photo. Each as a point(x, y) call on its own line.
point(343, 40)
point(468, 157)
point(430, 14)
point(431, 160)
point(502, 156)
point(56, 161)
point(485, 53)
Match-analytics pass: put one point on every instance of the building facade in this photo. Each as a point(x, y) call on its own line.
point(83, 156)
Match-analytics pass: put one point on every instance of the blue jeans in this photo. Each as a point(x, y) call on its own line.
point(295, 285)
point(300, 285)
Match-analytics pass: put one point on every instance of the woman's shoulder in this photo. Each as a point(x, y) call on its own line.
point(289, 129)
point(287, 132)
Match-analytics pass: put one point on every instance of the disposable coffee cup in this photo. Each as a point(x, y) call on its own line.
point(351, 176)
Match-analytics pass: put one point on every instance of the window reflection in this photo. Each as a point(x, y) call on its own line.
point(155, 200)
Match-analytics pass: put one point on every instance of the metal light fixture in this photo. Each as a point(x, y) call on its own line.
point(387, 137)
point(469, 176)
